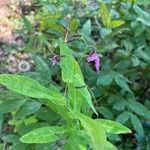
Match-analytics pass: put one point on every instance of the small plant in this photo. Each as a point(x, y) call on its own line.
point(89, 81)
point(77, 128)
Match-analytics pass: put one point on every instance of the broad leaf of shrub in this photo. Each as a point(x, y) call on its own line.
point(137, 125)
point(139, 109)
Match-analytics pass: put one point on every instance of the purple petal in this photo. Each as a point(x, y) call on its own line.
point(94, 58)
point(55, 60)
point(97, 64)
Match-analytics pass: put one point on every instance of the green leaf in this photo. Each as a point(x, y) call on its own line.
point(42, 67)
point(81, 147)
point(95, 131)
point(143, 2)
point(43, 135)
point(114, 137)
point(139, 29)
point(122, 84)
point(142, 54)
point(113, 127)
point(74, 23)
point(116, 23)
point(143, 16)
point(75, 98)
point(105, 15)
point(119, 105)
point(104, 79)
point(128, 46)
point(86, 29)
point(137, 125)
point(105, 112)
point(29, 87)
point(105, 32)
point(110, 146)
point(27, 109)
point(42, 74)
point(46, 114)
point(1, 122)
point(139, 109)
point(18, 146)
point(47, 146)
point(123, 117)
point(72, 75)
point(68, 64)
point(135, 61)
point(29, 120)
point(11, 138)
point(1, 146)
point(10, 105)
point(30, 127)
point(83, 91)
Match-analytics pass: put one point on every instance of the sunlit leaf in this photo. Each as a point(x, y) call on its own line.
point(113, 127)
point(116, 23)
point(29, 87)
point(43, 135)
point(95, 131)
point(105, 15)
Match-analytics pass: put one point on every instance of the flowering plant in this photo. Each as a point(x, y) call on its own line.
point(90, 81)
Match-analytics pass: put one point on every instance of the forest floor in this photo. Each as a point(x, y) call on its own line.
point(11, 61)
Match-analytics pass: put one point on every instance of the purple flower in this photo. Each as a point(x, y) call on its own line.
point(55, 60)
point(94, 58)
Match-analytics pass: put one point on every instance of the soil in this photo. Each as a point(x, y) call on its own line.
point(16, 62)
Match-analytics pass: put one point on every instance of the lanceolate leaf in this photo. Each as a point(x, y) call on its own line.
point(27, 109)
point(95, 131)
point(68, 64)
point(105, 79)
point(10, 105)
point(105, 112)
point(86, 30)
point(144, 17)
point(137, 125)
point(72, 75)
point(123, 117)
point(43, 135)
point(120, 82)
point(31, 88)
point(113, 127)
point(139, 109)
point(83, 91)
point(110, 146)
point(105, 15)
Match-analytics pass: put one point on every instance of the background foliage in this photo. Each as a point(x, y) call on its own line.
point(118, 30)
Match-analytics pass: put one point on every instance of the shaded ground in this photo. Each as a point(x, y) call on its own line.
point(6, 30)
point(11, 62)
